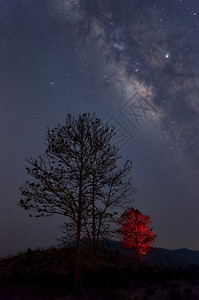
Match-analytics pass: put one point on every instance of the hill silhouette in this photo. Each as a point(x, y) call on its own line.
point(49, 274)
point(178, 257)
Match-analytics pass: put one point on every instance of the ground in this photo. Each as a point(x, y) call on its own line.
point(48, 274)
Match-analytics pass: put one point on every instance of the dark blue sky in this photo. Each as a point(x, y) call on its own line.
point(134, 63)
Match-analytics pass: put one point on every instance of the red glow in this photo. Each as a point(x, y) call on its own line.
point(135, 231)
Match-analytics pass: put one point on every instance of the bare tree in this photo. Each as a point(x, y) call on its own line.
point(109, 189)
point(77, 177)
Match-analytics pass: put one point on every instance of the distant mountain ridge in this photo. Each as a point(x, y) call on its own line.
point(160, 256)
point(178, 257)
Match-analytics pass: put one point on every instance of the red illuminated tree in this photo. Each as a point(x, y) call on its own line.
point(135, 231)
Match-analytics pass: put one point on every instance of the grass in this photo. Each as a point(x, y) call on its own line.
point(50, 273)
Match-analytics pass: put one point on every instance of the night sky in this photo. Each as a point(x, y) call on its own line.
point(133, 62)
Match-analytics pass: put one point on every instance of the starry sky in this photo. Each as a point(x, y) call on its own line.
point(133, 62)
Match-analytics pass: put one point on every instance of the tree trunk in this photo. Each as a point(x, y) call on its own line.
point(93, 247)
point(93, 258)
point(78, 281)
point(79, 290)
point(138, 256)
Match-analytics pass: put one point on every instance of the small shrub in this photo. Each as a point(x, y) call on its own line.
point(175, 295)
point(188, 292)
point(145, 297)
point(150, 292)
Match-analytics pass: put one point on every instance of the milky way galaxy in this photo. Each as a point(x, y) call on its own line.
point(150, 50)
point(136, 64)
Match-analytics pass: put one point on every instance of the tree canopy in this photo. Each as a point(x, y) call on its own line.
point(78, 177)
point(135, 231)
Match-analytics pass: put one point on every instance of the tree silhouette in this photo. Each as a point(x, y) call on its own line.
point(78, 177)
point(135, 231)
